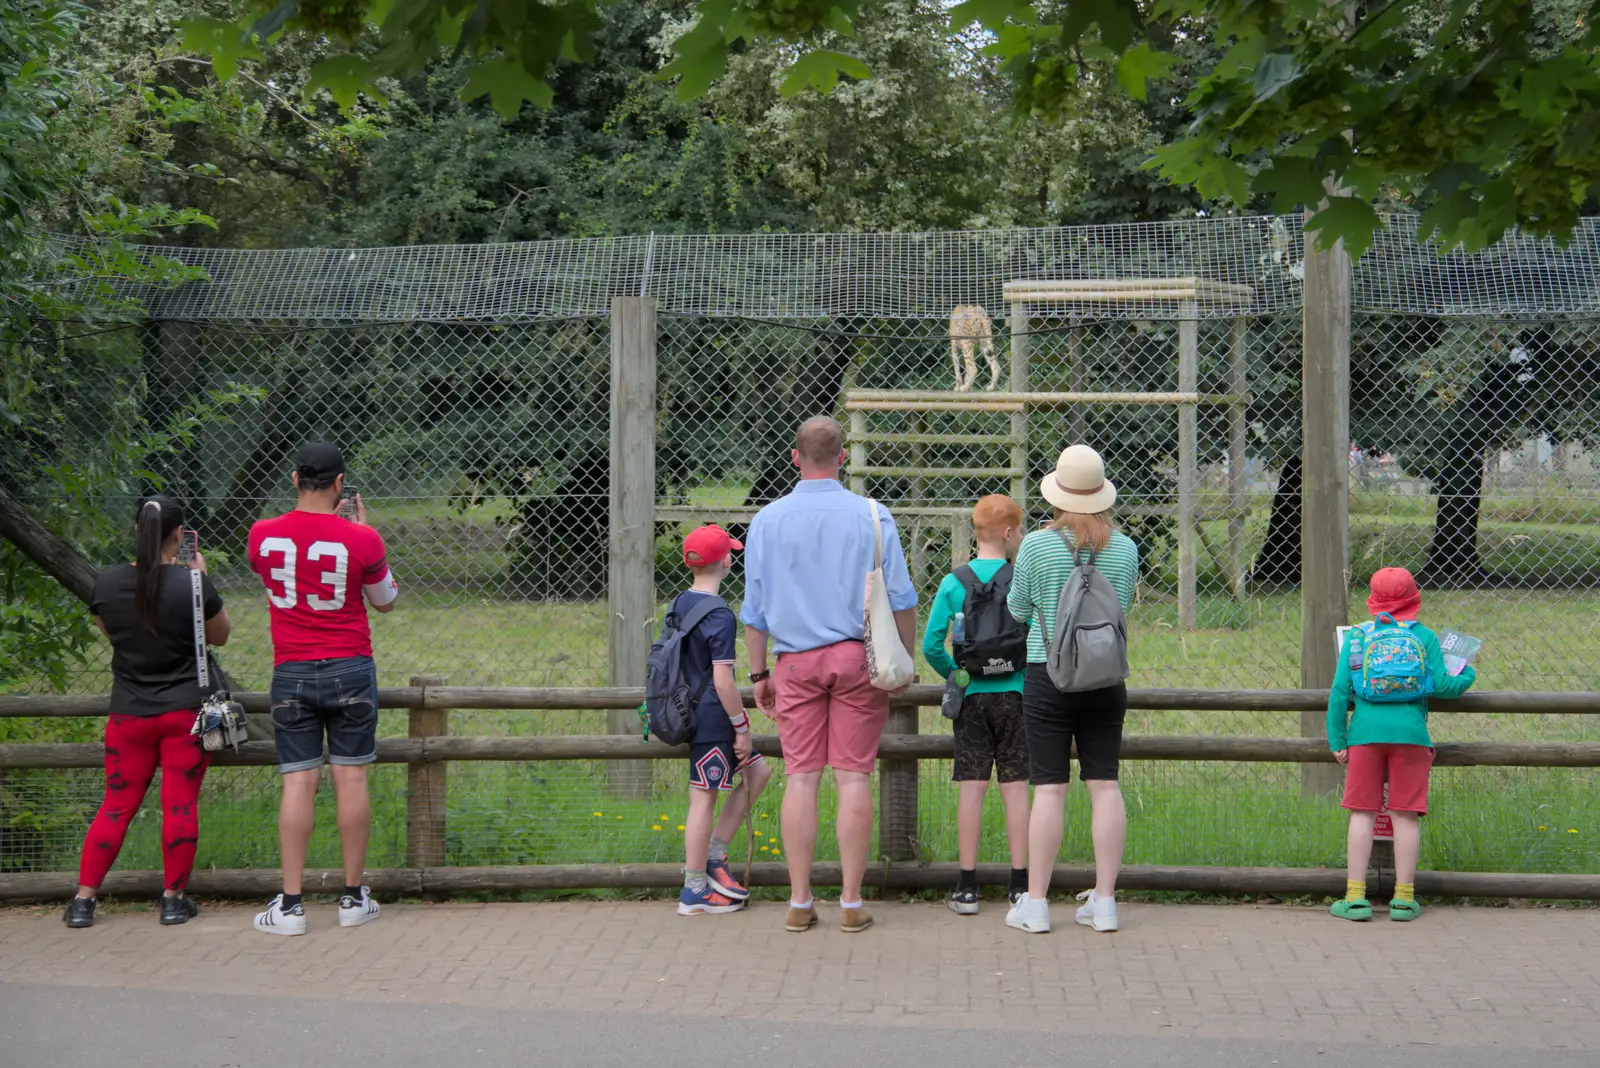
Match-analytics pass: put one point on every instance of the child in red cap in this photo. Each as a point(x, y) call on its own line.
point(1391, 667)
point(721, 744)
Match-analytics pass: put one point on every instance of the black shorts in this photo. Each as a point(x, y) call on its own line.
point(1092, 718)
point(338, 698)
point(711, 765)
point(990, 738)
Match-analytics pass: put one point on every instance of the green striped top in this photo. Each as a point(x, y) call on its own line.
point(1043, 565)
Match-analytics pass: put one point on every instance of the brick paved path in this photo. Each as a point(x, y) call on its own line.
point(1474, 977)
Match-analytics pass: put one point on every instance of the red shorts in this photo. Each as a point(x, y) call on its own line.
point(829, 713)
point(1406, 767)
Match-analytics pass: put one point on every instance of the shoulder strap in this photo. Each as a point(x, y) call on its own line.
point(967, 577)
point(877, 534)
point(1077, 554)
point(197, 598)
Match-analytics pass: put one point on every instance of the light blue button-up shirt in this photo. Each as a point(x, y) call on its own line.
point(806, 559)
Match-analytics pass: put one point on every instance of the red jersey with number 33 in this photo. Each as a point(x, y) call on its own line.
point(314, 567)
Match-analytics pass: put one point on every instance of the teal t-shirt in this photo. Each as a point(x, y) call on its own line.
point(946, 603)
point(1397, 723)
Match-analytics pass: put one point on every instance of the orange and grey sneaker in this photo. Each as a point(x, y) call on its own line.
point(723, 882)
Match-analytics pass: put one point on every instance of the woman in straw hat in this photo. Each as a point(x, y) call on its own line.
point(1082, 499)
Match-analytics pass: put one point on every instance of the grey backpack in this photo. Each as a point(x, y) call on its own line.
point(669, 701)
point(1089, 644)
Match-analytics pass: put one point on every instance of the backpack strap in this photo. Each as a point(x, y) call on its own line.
point(967, 577)
point(693, 618)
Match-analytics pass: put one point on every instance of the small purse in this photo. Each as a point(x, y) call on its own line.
point(220, 722)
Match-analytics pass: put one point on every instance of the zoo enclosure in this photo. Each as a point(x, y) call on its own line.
point(473, 391)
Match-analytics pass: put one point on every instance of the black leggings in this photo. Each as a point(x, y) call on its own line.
point(1053, 720)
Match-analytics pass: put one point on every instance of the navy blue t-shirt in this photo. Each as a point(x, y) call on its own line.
point(711, 642)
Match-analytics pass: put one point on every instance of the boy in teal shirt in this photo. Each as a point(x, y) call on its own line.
point(1387, 740)
point(989, 733)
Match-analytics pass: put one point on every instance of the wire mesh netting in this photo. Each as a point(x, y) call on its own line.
point(469, 388)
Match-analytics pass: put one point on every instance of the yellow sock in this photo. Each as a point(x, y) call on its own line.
point(1405, 891)
point(1355, 890)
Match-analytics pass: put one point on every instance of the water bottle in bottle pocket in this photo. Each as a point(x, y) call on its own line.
point(955, 691)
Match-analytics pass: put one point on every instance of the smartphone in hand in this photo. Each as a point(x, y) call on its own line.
point(188, 545)
point(347, 503)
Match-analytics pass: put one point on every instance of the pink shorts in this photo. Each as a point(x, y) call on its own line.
point(829, 713)
point(1405, 766)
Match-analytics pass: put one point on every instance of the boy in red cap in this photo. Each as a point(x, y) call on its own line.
point(721, 743)
point(1391, 667)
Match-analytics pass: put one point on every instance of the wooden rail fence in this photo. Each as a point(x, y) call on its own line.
point(429, 748)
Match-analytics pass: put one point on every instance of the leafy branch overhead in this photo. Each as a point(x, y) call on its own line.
point(1482, 114)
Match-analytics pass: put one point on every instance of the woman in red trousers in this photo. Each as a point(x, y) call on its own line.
point(147, 610)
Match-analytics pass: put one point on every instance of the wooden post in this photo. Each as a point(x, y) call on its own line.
point(897, 793)
point(1188, 462)
point(960, 541)
point(858, 452)
point(1238, 382)
point(631, 592)
point(1325, 504)
point(426, 785)
point(1019, 419)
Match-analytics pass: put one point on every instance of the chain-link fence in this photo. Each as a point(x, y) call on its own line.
point(470, 388)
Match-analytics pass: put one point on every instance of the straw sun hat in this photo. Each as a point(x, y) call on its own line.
point(1078, 483)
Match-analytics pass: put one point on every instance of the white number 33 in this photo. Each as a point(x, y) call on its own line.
point(336, 577)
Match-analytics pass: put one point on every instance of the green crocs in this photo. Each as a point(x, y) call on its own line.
point(1360, 909)
point(1403, 911)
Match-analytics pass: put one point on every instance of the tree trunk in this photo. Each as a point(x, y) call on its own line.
point(1278, 562)
point(1453, 554)
point(55, 555)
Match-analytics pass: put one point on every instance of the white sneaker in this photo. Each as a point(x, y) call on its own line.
point(353, 912)
point(1029, 915)
point(276, 921)
point(1097, 912)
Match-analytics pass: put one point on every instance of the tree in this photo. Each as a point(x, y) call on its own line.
point(1478, 112)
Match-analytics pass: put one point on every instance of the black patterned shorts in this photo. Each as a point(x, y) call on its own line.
point(990, 737)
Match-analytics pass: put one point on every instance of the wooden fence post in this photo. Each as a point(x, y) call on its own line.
point(897, 792)
point(1020, 326)
point(1325, 502)
point(427, 784)
point(631, 578)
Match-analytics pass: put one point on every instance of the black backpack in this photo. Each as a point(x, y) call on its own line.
point(669, 701)
point(996, 641)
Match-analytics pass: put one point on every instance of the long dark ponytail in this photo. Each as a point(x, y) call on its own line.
point(155, 521)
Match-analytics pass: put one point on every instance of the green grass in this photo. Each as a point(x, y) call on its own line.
point(458, 620)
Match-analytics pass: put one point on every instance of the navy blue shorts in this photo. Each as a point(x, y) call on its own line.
point(711, 765)
point(333, 698)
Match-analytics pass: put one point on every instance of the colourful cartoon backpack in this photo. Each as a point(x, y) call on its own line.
point(1388, 663)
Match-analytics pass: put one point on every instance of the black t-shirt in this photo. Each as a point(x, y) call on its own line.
point(709, 644)
point(152, 673)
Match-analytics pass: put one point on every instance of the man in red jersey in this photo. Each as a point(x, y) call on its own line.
point(317, 567)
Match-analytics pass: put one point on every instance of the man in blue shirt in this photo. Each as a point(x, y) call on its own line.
point(807, 556)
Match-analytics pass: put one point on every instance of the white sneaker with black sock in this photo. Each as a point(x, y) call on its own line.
point(353, 912)
point(280, 921)
point(1097, 912)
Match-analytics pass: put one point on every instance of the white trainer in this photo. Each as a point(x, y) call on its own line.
point(1097, 912)
point(353, 912)
point(279, 921)
point(1029, 915)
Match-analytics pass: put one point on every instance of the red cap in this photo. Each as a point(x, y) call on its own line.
point(708, 545)
point(1394, 591)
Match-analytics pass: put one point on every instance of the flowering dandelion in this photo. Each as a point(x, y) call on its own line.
point(774, 841)
point(1572, 830)
point(655, 826)
point(665, 816)
point(680, 826)
point(597, 815)
point(1541, 826)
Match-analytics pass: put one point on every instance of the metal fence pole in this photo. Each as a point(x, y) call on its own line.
point(1188, 465)
point(427, 785)
point(1325, 515)
point(631, 582)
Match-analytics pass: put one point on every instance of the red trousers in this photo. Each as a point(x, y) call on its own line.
point(135, 747)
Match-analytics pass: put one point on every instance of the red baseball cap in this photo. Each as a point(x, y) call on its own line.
point(708, 545)
point(1394, 591)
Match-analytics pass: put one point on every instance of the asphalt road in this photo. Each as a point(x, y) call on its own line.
point(67, 1027)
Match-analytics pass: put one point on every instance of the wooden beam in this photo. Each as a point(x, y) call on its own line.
point(1021, 326)
point(922, 399)
point(631, 585)
point(1126, 289)
point(1325, 451)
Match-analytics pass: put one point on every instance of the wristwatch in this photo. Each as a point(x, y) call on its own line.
point(761, 676)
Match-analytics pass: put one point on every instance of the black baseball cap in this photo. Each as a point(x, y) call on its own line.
point(319, 460)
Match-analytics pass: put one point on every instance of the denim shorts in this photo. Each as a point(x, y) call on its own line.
point(337, 697)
